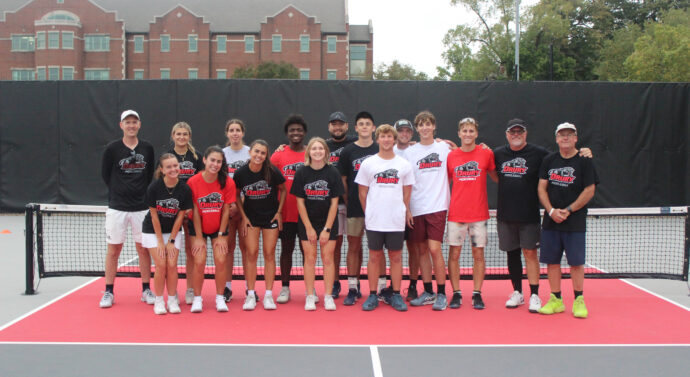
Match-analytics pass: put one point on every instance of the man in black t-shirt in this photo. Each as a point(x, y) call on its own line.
point(566, 184)
point(127, 168)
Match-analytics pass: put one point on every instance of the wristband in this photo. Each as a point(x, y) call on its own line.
point(551, 211)
point(569, 209)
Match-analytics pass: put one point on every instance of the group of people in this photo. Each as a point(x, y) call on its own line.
point(379, 182)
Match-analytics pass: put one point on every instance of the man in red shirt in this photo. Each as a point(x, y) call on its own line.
point(288, 160)
point(468, 167)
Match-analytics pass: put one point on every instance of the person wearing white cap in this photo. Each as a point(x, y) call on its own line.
point(127, 169)
point(567, 183)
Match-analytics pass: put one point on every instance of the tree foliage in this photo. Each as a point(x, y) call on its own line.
point(267, 70)
point(398, 71)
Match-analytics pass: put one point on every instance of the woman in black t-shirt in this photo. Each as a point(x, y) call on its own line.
point(261, 189)
point(168, 198)
point(317, 187)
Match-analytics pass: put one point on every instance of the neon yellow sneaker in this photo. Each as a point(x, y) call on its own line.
point(554, 305)
point(579, 308)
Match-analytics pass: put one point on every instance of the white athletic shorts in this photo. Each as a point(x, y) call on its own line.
point(148, 240)
point(342, 219)
point(116, 225)
point(458, 231)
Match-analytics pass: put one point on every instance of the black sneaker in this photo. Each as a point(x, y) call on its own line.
point(336, 289)
point(227, 294)
point(359, 291)
point(385, 295)
point(456, 300)
point(412, 293)
point(477, 301)
point(351, 297)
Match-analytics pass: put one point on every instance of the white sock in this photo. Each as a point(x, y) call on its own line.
point(197, 298)
point(269, 293)
point(250, 292)
point(352, 282)
point(228, 285)
point(220, 297)
point(382, 283)
point(160, 299)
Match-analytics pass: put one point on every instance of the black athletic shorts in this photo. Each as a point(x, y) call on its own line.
point(302, 231)
point(192, 232)
point(289, 231)
point(391, 240)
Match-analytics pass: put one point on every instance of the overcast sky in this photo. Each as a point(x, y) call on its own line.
point(410, 31)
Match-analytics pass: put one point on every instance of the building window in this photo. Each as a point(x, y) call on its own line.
point(67, 40)
point(165, 43)
point(331, 44)
point(303, 43)
point(358, 61)
point(96, 74)
point(277, 45)
point(41, 73)
point(96, 42)
point(165, 73)
point(221, 73)
point(41, 40)
point(192, 42)
point(23, 42)
point(138, 74)
point(53, 73)
point(248, 43)
point(53, 39)
point(304, 74)
point(68, 73)
point(138, 44)
point(222, 44)
point(23, 74)
point(193, 73)
point(331, 74)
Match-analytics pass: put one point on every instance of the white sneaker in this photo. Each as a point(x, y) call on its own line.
point(107, 300)
point(197, 305)
point(268, 303)
point(328, 302)
point(159, 306)
point(534, 304)
point(189, 296)
point(174, 305)
point(516, 299)
point(220, 304)
point(284, 295)
point(148, 297)
point(249, 303)
point(310, 304)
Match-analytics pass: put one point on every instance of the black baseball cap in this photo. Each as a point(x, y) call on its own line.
point(403, 123)
point(516, 123)
point(338, 115)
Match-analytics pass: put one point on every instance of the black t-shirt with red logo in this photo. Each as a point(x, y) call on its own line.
point(260, 197)
point(518, 178)
point(567, 178)
point(351, 159)
point(336, 147)
point(167, 204)
point(188, 164)
point(317, 188)
point(127, 173)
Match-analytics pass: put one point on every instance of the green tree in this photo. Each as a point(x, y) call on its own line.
point(267, 70)
point(615, 51)
point(398, 71)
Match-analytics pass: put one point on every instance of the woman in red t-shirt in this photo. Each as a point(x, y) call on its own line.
point(214, 198)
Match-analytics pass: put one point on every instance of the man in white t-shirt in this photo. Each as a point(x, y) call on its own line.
point(385, 184)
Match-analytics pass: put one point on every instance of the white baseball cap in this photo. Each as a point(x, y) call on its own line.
point(566, 126)
point(127, 113)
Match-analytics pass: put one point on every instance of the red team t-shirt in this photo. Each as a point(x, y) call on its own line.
point(209, 198)
point(467, 172)
point(288, 161)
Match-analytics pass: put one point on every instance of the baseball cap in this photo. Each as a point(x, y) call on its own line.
point(516, 123)
point(338, 115)
point(127, 113)
point(566, 126)
point(403, 123)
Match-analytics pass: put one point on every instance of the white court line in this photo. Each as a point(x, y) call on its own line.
point(376, 361)
point(655, 294)
point(371, 347)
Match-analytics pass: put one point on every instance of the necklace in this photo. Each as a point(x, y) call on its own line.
point(168, 189)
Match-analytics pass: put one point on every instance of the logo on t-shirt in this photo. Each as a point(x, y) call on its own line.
point(168, 207)
point(562, 176)
point(317, 190)
point(235, 165)
point(187, 169)
point(290, 170)
point(358, 162)
point(335, 156)
point(430, 161)
point(210, 203)
point(389, 176)
point(468, 171)
point(133, 164)
point(516, 167)
point(257, 190)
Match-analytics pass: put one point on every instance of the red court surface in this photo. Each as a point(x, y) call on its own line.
point(619, 314)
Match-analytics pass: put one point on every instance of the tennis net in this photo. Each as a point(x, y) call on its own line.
point(69, 240)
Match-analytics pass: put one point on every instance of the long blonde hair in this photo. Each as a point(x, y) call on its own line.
point(312, 141)
point(184, 125)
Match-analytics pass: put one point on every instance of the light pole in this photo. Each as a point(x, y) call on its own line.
point(517, 40)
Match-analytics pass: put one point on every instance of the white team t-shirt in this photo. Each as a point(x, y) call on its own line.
point(235, 159)
point(385, 210)
point(430, 193)
point(400, 152)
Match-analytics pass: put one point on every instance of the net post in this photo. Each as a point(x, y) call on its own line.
point(29, 235)
point(686, 258)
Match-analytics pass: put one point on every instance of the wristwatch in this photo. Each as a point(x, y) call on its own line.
point(569, 209)
point(327, 229)
point(220, 234)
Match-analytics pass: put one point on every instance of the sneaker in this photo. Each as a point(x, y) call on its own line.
point(412, 293)
point(197, 305)
point(189, 296)
point(385, 295)
point(159, 306)
point(220, 304)
point(256, 295)
point(425, 298)
point(107, 300)
point(554, 305)
point(174, 305)
point(371, 303)
point(336, 289)
point(148, 297)
point(456, 300)
point(268, 303)
point(397, 302)
point(310, 304)
point(441, 302)
point(328, 302)
point(316, 297)
point(516, 299)
point(284, 295)
point(351, 297)
point(579, 308)
point(359, 291)
point(534, 304)
point(227, 294)
point(249, 303)
point(477, 301)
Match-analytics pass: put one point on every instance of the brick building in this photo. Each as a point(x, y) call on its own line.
point(161, 39)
